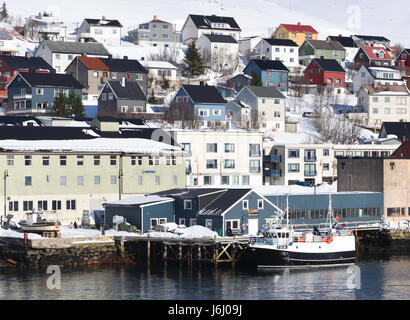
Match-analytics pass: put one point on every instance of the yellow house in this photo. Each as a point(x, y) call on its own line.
point(295, 32)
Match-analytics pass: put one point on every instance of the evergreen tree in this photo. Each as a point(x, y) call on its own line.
point(193, 64)
point(256, 80)
point(165, 83)
point(151, 98)
point(60, 106)
point(75, 105)
point(4, 15)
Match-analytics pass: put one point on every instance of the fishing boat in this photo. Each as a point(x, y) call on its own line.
point(283, 246)
point(36, 224)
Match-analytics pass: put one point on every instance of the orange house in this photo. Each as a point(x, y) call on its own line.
point(296, 32)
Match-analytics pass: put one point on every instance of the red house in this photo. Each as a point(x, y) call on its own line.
point(325, 73)
point(9, 65)
point(403, 60)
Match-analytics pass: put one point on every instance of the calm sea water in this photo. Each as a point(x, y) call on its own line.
point(380, 278)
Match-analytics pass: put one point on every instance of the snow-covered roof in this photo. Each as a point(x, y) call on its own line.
point(140, 200)
point(158, 64)
point(126, 145)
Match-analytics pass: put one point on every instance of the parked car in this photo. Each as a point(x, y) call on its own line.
point(92, 218)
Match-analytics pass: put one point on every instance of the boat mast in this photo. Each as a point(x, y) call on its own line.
point(330, 213)
point(287, 211)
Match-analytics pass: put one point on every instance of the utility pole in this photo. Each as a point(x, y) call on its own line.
point(6, 174)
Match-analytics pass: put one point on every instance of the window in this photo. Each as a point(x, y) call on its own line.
point(203, 112)
point(207, 180)
point(233, 224)
point(70, 204)
point(42, 205)
point(229, 147)
point(157, 180)
point(13, 206)
point(245, 204)
point(63, 180)
point(245, 180)
point(95, 74)
point(58, 56)
point(174, 180)
point(70, 57)
point(260, 204)
point(56, 205)
point(168, 161)
point(326, 152)
point(63, 160)
point(80, 180)
point(110, 96)
point(113, 179)
point(375, 99)
point(97, 160)
point(27, 205)
point(386, 110)
point(235, 180)
point(192, 222)
point(216, 112)
point(98, 31)
point(10, 160)
point(276, 114)
point(254, 166)
point(113, 160)
point(187, 204)
point(186, 147)
point(225, 180)
point(208, 223)
point(229, 164)
point(153, 160)
point(212, 164)
point(27, 160)
point(27, 181)
point(97, 180)
point(39, 91)
point(140, 180)
point(254, 150)
point(375, 110)
point(46, 160)
point(80, 160)
point(293, 167)
point(124, 109)
point(212, 147)
point(326, 167)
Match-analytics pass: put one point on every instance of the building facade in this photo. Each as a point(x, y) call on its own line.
point(101, 30)
point(295, 32)
point(272, 73)
point(225, 158)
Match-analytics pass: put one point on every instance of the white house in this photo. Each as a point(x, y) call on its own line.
point(384, 103)
point(283, 50)
point(219, 51)
point(159, 69)
point(101, 30)
point(268, 106)
point(59, 54)
point(196, 25)
point(232, 157)
point(376, 75)
point(248, 44)
point(38, 27)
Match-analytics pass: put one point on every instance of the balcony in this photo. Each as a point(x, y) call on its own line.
point(272, 158)
point(310, 173)
point(26, 96)
point(273, 173)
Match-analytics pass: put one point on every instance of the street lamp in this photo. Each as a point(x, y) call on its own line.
point(6, 174)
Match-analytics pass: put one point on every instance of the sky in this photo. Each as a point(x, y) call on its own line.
point(374, 17)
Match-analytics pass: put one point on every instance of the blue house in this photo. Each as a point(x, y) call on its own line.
point(205, 102)
point(272, 73)
point(34, 93)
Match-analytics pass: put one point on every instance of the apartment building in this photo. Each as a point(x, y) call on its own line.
point(222, 157)
point(65, 170)
point(313, 163)
point(101, 30)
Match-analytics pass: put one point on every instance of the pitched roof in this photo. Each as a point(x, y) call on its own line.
point(377, 38)
point(43, 133)
point(224, 202)
point(373, 53)
point(188, 193)
point(372, 71)
point(269, 64)
point(17, 62)
point(131, 90)
point(51, 80)
point(299, 28)
point(281, 42)
point(158, 64)
point(329, 65)
point(124, 65)
point(18, 120)
point(93, 63)
point(220, 38)
point(203, 94)
point(347, 42)
point(204, 22)
point(403, 151)
point(326, 45)
point(266, 92)
point(386, 89)
point(89, 48)
point(399, 129)
point(104, 22)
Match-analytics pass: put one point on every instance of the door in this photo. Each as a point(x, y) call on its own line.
point(253, 227)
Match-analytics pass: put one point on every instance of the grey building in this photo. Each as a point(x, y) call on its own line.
point(118, 98)
point(155, 33)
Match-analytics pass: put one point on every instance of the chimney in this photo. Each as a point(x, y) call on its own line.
point(299, 23)
point(110, 57)
point(122, 82)
point(103, 18)
point(125, 57)
point(155, 17)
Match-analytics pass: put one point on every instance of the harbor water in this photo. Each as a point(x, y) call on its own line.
point(379, 277)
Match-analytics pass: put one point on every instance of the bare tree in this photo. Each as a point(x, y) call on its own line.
point(398, 48)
